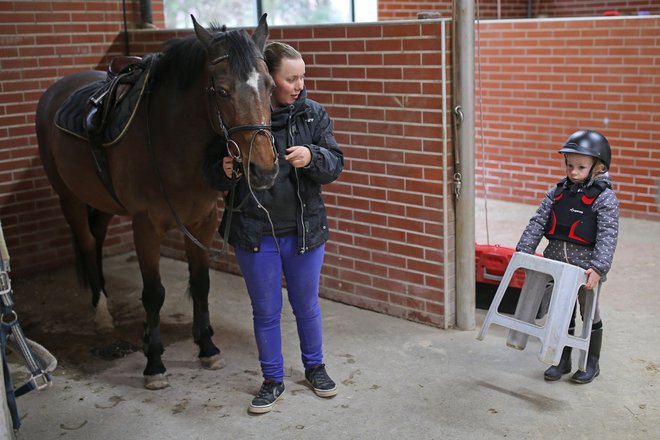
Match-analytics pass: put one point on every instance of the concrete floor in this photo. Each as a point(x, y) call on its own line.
point(397, 379)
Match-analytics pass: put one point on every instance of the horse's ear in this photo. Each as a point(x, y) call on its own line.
point(202, 34)
point(260, 34)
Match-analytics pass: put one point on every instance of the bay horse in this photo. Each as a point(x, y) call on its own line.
point(211, 85)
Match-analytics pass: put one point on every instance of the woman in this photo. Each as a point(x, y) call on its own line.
point(283, 230)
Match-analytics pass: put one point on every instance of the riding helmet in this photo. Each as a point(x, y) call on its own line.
point(589, 143)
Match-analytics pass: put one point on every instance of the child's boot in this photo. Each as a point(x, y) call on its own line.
point(564, 366)
point(593, 357)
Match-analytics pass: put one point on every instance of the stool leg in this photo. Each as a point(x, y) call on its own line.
point(588, 316)
point(530, 299)
point(562, 303)
point(493, 314)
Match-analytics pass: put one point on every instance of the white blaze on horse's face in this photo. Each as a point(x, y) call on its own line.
point(253, 81)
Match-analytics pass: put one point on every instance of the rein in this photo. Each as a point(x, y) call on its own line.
point(159, 176)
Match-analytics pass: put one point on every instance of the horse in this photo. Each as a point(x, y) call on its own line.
point(211, 85)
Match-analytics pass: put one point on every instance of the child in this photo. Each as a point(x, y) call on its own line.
point(580, 219)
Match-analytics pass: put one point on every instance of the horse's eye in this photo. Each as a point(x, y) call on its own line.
point(222, 92)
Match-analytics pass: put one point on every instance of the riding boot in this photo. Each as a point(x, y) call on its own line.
point(593, 357)
point(563, 367)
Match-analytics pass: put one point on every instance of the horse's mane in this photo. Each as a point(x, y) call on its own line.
point(183, 58)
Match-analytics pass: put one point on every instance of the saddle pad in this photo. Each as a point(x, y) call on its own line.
point(71, 115)
point(72, 112)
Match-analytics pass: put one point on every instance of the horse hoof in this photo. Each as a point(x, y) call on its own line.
point(104, 329)
point(156, 382)
point(102, 317)
point(214, 362)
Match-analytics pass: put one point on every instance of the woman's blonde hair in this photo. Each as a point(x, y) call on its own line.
point(275, 52)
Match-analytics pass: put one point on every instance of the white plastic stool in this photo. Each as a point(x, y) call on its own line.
point(554, 334)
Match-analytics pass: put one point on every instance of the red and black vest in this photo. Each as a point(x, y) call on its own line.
point(572, 218)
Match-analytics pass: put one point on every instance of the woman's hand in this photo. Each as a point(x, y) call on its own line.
point(228, 167)
point(592, 279)
point(298, 156)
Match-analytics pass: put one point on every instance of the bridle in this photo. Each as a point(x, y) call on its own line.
point(220, 128)
point(236, 156)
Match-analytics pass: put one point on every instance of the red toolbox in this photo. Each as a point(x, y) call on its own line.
point(492, 260)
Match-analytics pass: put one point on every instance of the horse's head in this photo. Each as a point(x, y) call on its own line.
point(239, 93)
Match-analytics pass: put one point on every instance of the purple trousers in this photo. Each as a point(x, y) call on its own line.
point(262, 272)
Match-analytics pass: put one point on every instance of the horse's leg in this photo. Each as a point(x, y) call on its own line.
point(198, 268)
point(87, 250)
point(98, 224)
point(147, 246)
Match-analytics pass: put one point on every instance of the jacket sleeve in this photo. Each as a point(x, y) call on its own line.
point(212, 166)
point(606, 207)
point(533, 233)
point(327, 158)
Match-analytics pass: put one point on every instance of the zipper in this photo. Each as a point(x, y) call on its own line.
point(303, 246)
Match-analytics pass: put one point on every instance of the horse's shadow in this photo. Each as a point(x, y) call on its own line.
point(55, 312)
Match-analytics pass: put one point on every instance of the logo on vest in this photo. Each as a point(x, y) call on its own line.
point(576, 210)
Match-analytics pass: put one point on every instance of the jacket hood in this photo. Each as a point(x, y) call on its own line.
point(604, 178)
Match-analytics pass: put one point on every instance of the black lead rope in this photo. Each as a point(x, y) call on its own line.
point(229, 205)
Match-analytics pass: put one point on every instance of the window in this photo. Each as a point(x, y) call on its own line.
point(235, 13)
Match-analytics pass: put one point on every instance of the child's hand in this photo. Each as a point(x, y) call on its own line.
point(592, 279)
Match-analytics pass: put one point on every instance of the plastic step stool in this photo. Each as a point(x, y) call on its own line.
point(568, 280)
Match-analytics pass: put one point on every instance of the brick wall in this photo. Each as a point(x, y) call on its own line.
point(408, 9)
point(40, 41)
point(541, 80)
point(391, 217)
point(576, 8)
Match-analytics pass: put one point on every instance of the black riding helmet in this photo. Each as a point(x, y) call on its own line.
point(589, 143)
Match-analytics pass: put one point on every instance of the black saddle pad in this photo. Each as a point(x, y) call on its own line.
point(72, 114)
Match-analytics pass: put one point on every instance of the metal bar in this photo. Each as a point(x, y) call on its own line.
point(260, 9)
point(464, 98)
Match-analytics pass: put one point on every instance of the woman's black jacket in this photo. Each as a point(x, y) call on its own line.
point(307, 123)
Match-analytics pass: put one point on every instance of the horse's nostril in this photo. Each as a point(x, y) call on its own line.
point(261, 178)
